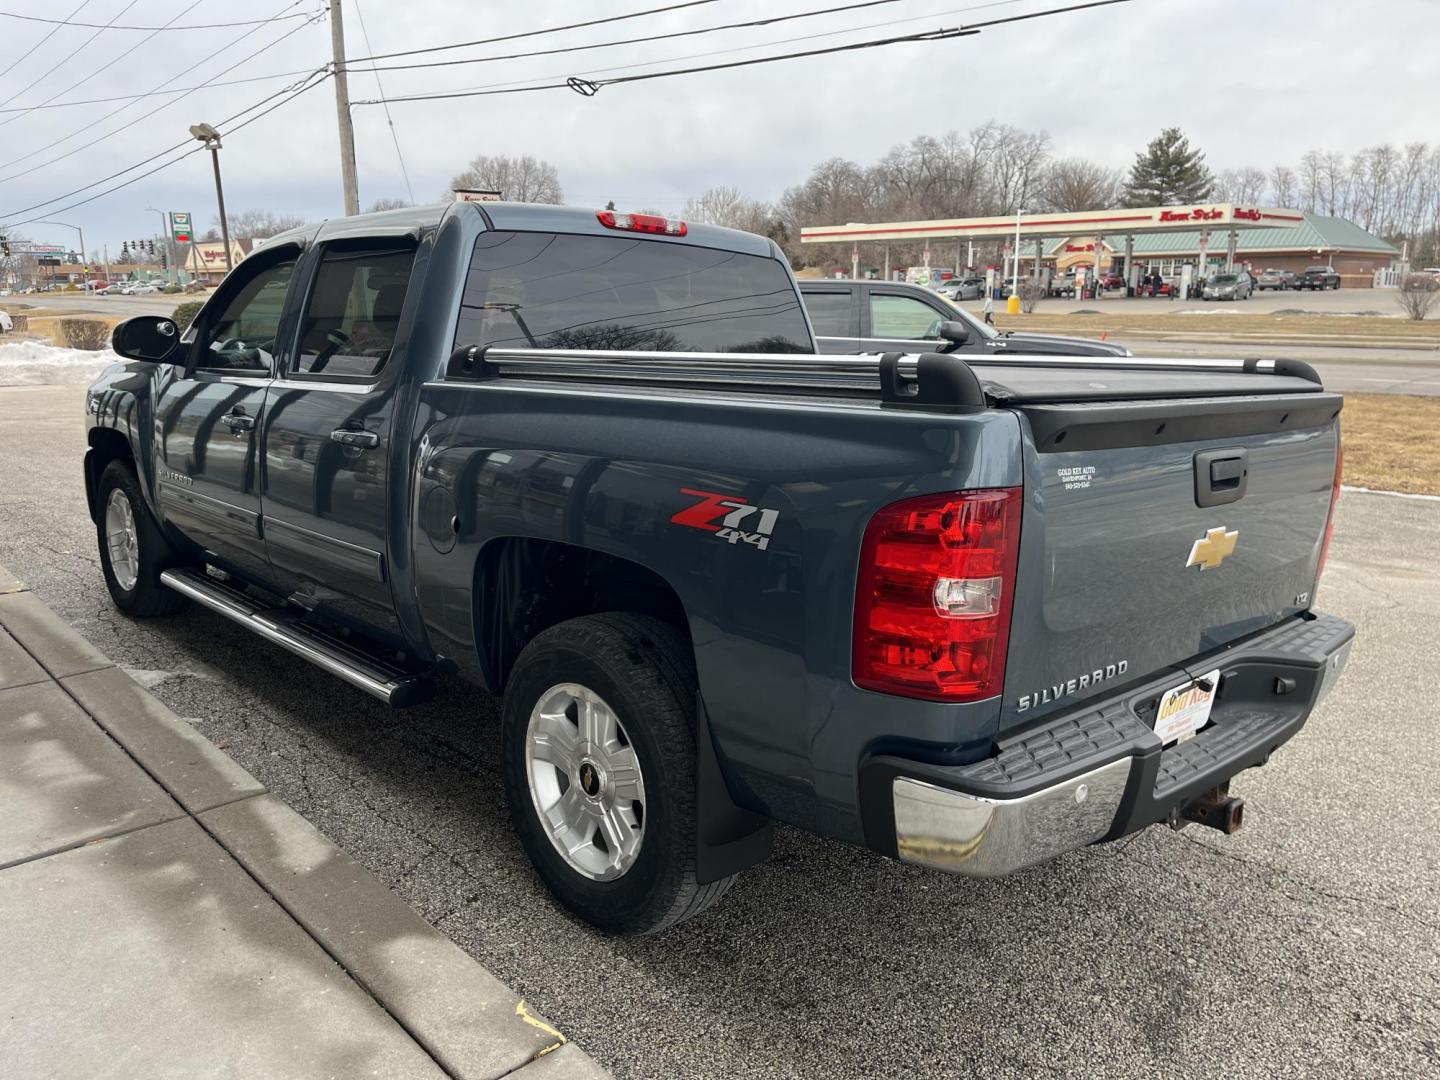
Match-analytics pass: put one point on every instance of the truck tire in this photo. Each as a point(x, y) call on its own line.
point(133, 551)
point(598, 737)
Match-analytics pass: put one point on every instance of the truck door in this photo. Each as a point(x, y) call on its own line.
point(894, 319)
point(327, 434)
point(207, 417)
point(835, 313)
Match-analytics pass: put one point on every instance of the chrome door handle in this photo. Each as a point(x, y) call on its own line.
point(355, 437)
point(238, 422)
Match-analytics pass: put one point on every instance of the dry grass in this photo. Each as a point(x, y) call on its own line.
point(48, 326)
point(1391, 442)
point(1316, 329)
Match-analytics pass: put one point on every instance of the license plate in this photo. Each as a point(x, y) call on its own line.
point(1185, 709)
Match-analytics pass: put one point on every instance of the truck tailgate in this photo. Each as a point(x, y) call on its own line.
point(1159, 528)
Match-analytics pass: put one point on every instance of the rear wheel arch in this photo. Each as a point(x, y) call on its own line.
point(525, 585)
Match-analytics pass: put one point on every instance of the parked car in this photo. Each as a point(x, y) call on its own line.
point(969, 611)
point(966, 288)
point(1279, 280)
point(876, 317)
point(1062, 285)
point(1318, 277)
point(1226, 287)
point(1112, 281)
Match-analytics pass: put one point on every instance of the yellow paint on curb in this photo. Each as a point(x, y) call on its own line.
point(535, 1021)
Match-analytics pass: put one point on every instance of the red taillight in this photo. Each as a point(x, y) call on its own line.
point(646, 223)
point(932, 607)
point(1334, 498)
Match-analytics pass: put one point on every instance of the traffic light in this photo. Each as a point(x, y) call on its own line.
point(4, 247)
point(151, 247)
point(125, 250)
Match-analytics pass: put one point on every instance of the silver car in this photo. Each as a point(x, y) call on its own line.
point(967, 288)
point(1227, 287)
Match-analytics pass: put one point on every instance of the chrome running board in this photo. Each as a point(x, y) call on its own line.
point(377, 677)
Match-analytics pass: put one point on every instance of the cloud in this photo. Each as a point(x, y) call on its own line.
point(1251, 83)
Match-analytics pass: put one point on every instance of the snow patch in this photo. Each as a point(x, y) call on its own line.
point(34, 363)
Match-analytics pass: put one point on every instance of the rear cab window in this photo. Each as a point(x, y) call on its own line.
point(352, 314)
point(576, 291)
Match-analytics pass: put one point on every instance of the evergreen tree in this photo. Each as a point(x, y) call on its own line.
point(1168, 173)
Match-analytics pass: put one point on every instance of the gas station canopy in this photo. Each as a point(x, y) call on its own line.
point(1217, 217)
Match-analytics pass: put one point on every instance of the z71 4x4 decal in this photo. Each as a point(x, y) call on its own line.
point(729, 517)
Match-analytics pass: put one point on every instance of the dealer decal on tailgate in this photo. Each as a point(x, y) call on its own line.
point(729, 517)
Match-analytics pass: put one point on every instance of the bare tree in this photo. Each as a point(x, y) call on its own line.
point(725, 206)
point(254, 225)
point(1418, 294)
point(1244, 186)
point(518, 179)
point(1284, 185)
point(1073, 184)
point(389, 203)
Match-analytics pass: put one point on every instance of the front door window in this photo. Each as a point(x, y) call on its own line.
point(241, 338)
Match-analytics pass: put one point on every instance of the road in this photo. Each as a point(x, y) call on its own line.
point(1348, 369)
point(1305, 946)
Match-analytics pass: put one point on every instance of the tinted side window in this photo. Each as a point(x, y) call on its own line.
point(549, 291)
point(354, 311)
point(829, 313)
point(900, 317)
point(242, 336)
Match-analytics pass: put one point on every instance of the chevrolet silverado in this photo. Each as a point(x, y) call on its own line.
point(970, 612)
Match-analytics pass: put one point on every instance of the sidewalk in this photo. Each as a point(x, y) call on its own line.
point(165, 916)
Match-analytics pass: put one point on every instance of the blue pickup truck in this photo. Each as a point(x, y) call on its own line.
point(970, 612)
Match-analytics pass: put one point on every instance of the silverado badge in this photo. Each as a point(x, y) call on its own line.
point(1211, 549)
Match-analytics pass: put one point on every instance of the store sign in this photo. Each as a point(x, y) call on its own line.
point(1079, 247)
point(180, 226)
point(477, 195)
point(1199, 213)
point(1246, 215)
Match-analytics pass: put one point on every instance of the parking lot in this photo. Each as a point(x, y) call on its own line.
point(1304, 946)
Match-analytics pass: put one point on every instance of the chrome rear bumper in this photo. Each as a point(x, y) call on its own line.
point(1100, 772)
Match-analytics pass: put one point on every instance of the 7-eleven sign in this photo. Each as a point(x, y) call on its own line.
point(180, 226)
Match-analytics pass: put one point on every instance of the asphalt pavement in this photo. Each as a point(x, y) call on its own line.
point(1305, 946)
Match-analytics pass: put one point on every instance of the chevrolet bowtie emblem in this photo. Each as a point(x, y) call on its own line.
point(1211, 549)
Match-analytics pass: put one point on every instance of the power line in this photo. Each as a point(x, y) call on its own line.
point(90, 75)
point(179, 93)
point(535, 33)
point(111, 26)
point(293, 94)
point(388, 118)
point(35, 48)
point(154, 93)
point(524, 84)
point(55, 67)
point(652, 37)
point(588, 88)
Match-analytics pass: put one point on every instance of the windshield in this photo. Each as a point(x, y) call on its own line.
point(551, 291)
point(1224, 279)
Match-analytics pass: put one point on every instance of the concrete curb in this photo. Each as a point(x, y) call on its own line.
point(466, 1020)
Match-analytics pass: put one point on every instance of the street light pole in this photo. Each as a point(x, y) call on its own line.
point(85, 286)
point(211, 138)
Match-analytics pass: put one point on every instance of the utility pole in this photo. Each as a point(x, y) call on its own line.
point(348, 177)
point(211, 138)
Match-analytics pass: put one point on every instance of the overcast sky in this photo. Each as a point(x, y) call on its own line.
point(1250, 81)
